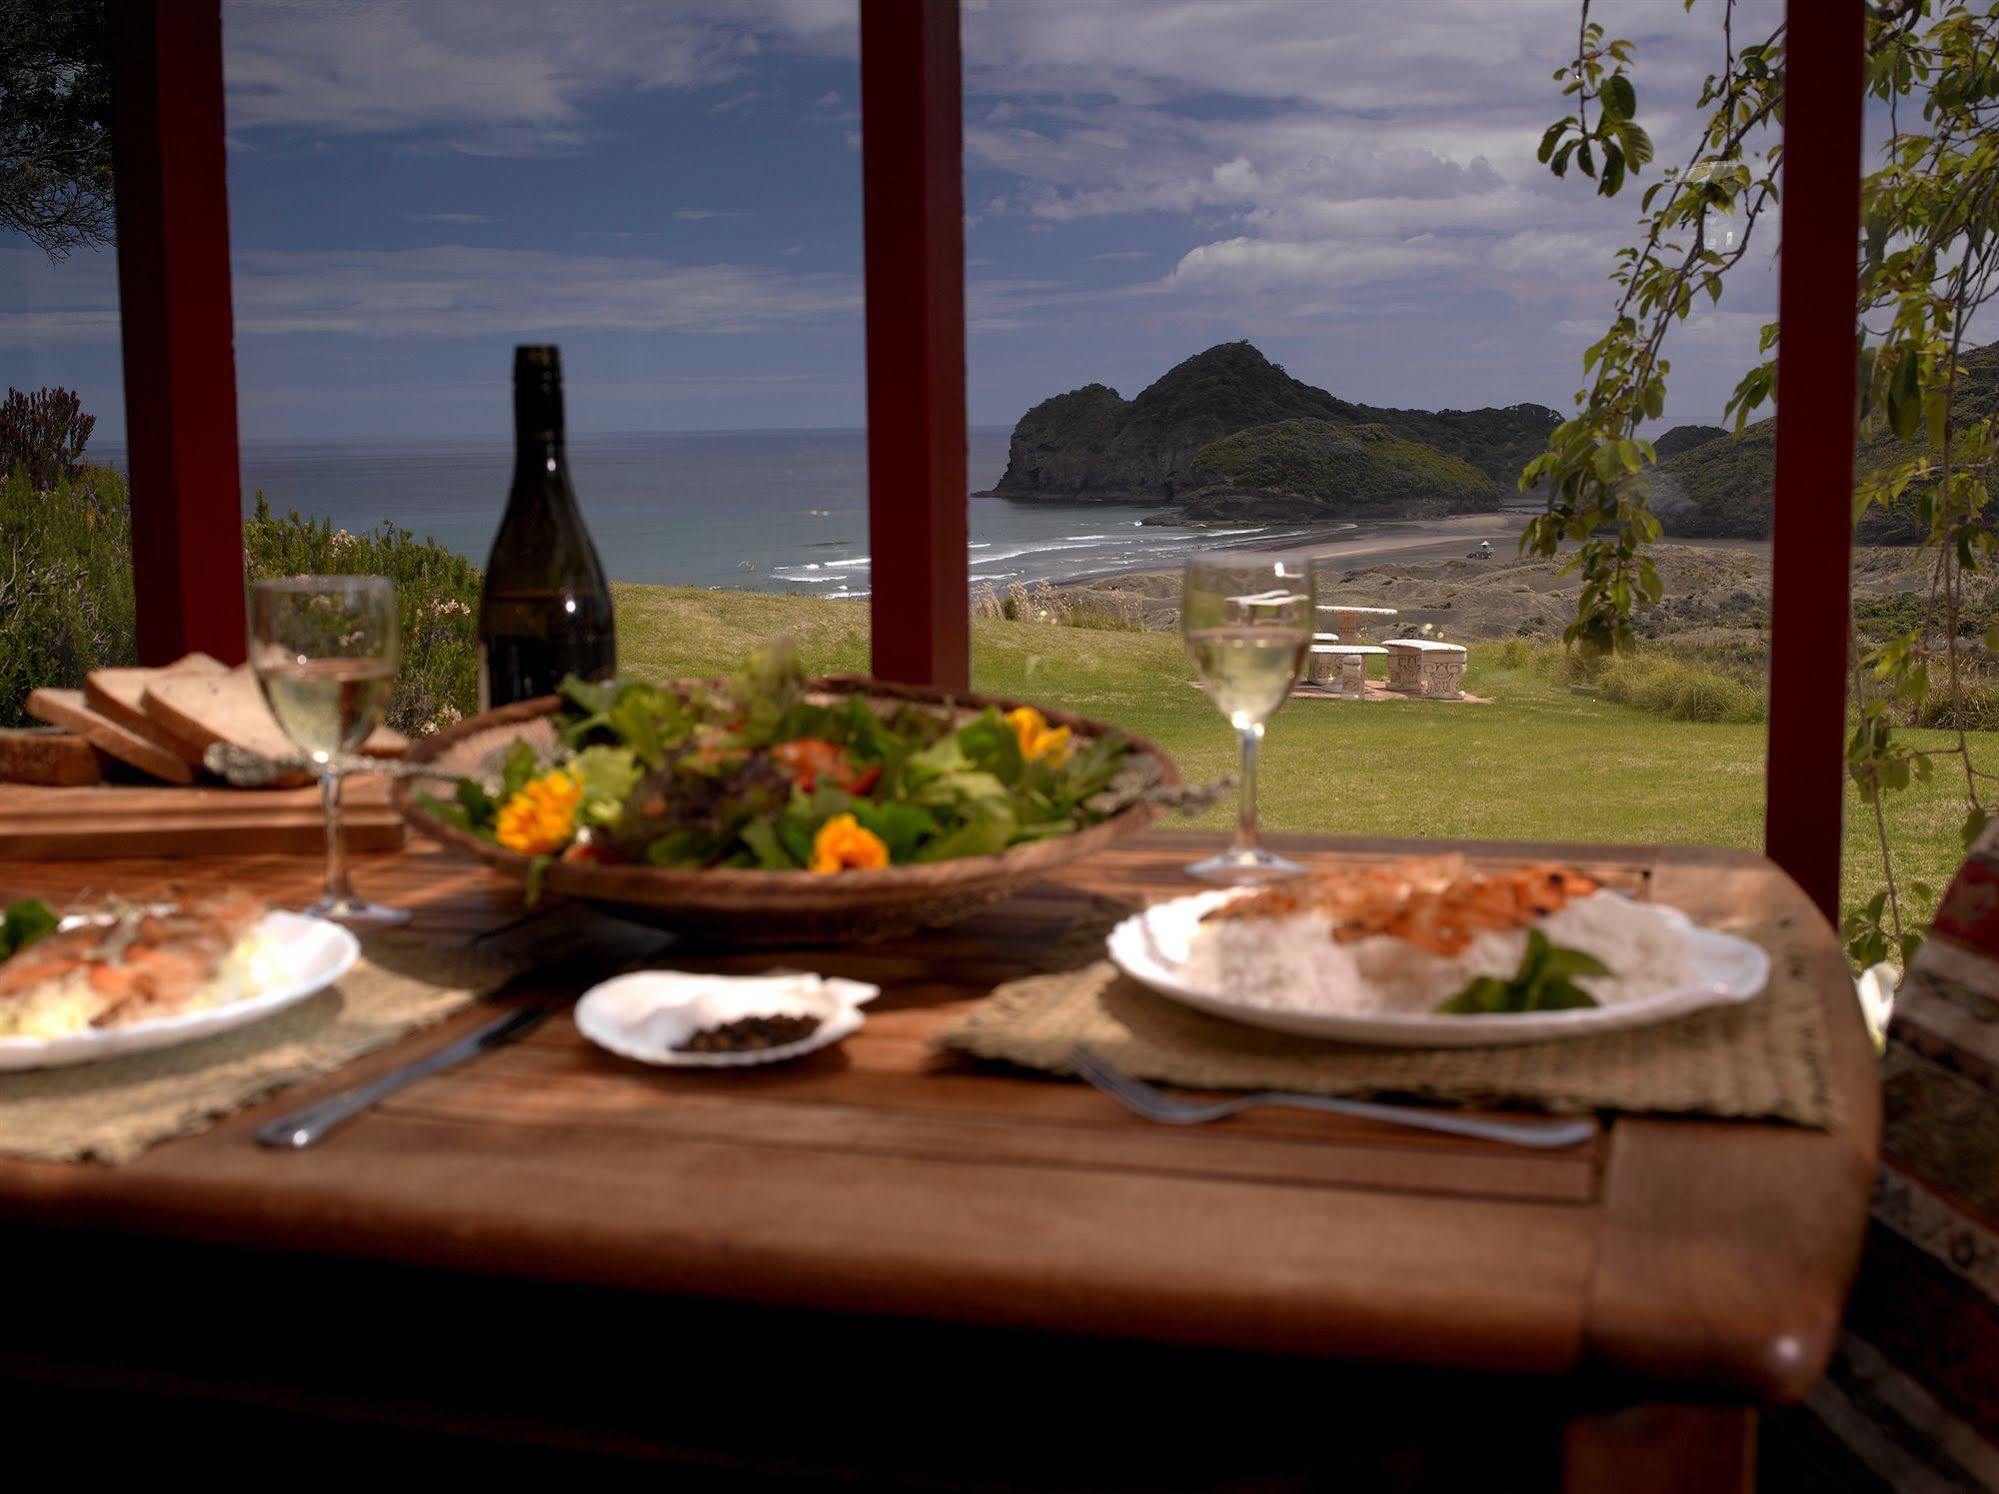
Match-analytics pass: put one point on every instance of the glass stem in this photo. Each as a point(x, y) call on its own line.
point(1245, 828)
point(337, 889)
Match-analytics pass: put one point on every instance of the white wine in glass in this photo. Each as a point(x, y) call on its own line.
point(325, 650)
point(1247, 618)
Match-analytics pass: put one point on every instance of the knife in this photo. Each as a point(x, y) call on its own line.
point(308, 1127)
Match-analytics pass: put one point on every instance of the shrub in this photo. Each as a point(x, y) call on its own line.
point(437, 592)
point(66, 592)
point(65, 583)
point(42, 436)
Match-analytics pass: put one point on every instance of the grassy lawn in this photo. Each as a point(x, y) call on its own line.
point(1540, 763)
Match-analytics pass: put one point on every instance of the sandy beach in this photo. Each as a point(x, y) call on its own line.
point(1716, 590)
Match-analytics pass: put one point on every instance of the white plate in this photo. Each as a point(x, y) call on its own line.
point(1724, 970)
point(312, 953)
point(646, 1015)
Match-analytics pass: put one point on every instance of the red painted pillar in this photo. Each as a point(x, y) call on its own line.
point(1810, 612)
point(180, 361)
point(912, 161)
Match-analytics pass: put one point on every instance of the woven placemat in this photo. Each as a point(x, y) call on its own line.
point(1765, 1059)
point(112, 1111)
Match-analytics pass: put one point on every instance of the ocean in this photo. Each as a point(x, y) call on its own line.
point(764, 510)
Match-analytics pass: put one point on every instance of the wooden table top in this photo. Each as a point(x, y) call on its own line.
point(880, 1177)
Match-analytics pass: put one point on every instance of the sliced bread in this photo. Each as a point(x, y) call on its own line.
point(120, 693)
point(65, 708)
point(45, 756)
point(198, 709)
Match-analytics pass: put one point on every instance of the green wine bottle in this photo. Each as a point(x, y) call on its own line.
point(545, 611)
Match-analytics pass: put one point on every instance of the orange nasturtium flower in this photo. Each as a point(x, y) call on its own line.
point(1037, 738)
point(541, 818)
point(844, 844)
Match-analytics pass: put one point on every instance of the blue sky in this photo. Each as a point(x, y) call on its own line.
point(672, 192)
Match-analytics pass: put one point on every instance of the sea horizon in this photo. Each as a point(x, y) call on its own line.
point(780, 509)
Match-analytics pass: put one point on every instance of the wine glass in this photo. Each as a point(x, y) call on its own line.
point(1247, 617)
point(325, 650)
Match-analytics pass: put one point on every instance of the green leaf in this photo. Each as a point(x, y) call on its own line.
point(537, 872)
point(24, 923)
point(1905, 410)
point(479, 807)
point(768, 847)
point(900, 827)
point(984, 835)
point(1545, 981)
point(1620, 99)
point(1974, 825)
point(990, 744)
point(516, 768)
point(794, 832)
point(607, 776)
point(1612, 180)
point(1486, 994)
point(1565, 964)
point(451, 814)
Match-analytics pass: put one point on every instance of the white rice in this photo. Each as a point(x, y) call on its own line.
point(1293, 964)
point(59, 1008)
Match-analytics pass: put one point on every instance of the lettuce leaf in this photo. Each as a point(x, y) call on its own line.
point(25, 922)
point(607, 776)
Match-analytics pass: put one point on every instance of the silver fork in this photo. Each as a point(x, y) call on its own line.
point(1155, 1104)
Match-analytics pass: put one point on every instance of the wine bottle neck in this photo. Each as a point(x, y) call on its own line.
point(538, 454)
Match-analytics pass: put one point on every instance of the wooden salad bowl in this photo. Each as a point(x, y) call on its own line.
point(777, 907)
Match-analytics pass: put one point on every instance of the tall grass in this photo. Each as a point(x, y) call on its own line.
point(1106, 611)
point(1674, 684)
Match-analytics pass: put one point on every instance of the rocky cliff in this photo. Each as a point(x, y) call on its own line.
point(1723, 488)
point(1093, 444)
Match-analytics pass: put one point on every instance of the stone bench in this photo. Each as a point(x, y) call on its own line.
point(1349, 616)
point(1422, 666)
point(1329, 660)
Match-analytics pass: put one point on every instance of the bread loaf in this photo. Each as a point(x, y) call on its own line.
point(119, 694)
point(65, 708)
point(45, 756)
point(194, 710)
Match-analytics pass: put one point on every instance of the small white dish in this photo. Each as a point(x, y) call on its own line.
point(310, 954)
point(1151, 948)
point(647, 1015)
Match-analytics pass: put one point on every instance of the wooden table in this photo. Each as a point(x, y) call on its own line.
point(908, 1271)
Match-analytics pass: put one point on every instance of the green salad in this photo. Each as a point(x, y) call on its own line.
point(752, 773)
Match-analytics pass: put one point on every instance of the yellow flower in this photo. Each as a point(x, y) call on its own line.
point(1037, 738)
point(541, 818)
point(843, 844)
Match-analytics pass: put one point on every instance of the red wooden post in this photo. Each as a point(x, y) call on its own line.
point(180, 361)
point(1810, 612)
point(912, 162)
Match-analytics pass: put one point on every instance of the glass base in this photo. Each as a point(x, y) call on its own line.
point(358, 912)
point(1237, 867)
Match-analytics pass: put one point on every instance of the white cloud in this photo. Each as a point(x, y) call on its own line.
point(493, 79)
point(34, 328)
point(1317, 150)
point(703, 215)
point(462, 291)
point(71, 302)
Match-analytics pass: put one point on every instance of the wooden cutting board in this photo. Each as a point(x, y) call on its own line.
point(86, 824)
